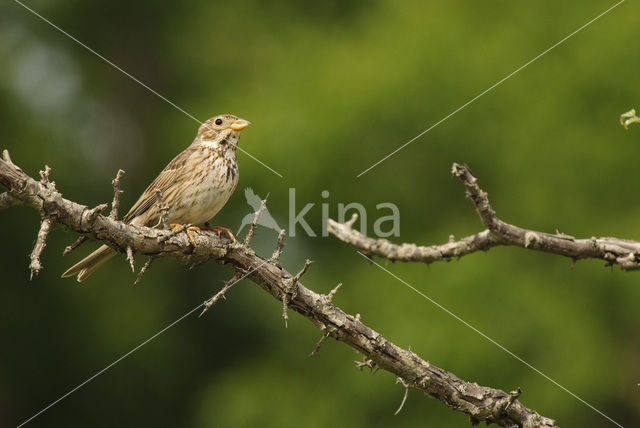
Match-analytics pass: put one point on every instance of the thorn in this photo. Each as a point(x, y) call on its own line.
point(115, 204)
point(132, 262)
point(82, 239)
point(144, 269)
point(324, 337)
point(333, 292)
point(280, 244)
point(406, 393)
point(254, 224)
point(352, 220)
point(285, 306)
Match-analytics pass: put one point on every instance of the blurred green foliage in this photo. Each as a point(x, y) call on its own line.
point(330, 87)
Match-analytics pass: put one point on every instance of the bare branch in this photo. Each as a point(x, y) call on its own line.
point(479, 402)
point(612, 250)
point(35, 266)
point(623, 252)
point(115, 204)
point(254, 223)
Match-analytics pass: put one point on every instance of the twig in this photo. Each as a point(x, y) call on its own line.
point(35, 266)
point(254, 223)
point(404, 397)
point(115, 204)
point(81, 239)
point(220, 294)
point(324, 337)
point(163, 207)
point(144, 269)
point(279, 245)
point(130, 259)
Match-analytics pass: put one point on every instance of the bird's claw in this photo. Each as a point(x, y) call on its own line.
point(219, 230)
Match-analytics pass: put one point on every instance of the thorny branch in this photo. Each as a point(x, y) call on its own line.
point(481, 403)
point(623, 252)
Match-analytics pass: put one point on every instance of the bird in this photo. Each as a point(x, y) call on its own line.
point(195, 186)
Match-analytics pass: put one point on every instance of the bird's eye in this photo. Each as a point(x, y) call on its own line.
point(218, 121)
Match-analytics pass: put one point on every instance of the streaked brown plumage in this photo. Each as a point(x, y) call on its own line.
point(195, 185)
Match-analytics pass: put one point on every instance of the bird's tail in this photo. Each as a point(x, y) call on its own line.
point(89, 264)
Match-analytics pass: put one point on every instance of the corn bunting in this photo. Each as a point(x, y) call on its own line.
point(195, 185)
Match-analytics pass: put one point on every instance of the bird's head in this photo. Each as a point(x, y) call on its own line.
point(221, 132)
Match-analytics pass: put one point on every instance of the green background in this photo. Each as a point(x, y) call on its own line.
point(330, 88)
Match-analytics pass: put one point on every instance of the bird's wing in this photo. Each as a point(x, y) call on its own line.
point(172, 175)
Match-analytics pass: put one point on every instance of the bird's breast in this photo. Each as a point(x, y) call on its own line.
point(209, 191)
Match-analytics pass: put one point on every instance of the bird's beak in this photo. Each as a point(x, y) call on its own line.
point(240, 124)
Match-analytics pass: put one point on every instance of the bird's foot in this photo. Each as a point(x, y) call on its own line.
point(188, 230)
point(219, 230)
